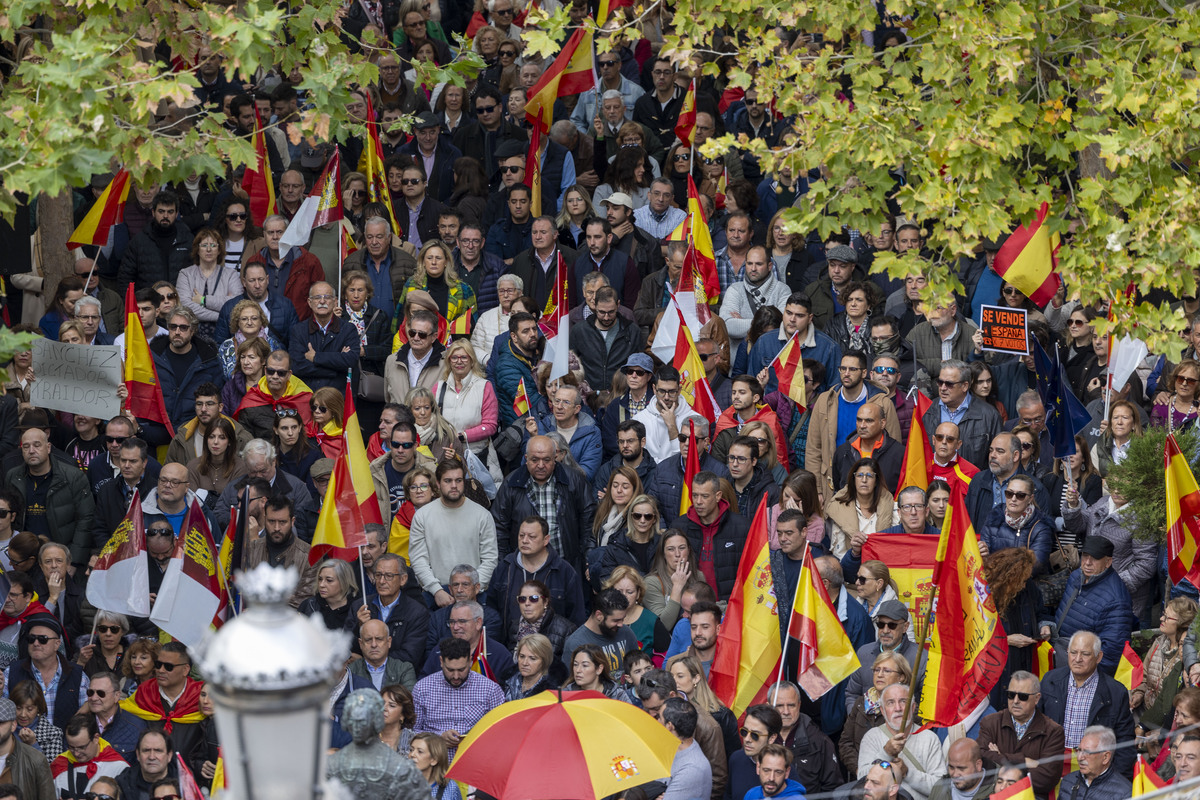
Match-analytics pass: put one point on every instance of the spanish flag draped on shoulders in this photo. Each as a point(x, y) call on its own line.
point(329, 437)
point(73, 777)
point(296, 396)
point(147, 703)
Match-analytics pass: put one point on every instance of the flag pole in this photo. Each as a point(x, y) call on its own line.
point(786, 635)
point(362, 571)
point(340, 235)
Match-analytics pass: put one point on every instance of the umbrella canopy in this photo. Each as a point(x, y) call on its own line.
point(583, 746)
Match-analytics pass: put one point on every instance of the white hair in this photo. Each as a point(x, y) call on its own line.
point(261, 448)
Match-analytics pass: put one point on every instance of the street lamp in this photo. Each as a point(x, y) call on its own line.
point(270, 671)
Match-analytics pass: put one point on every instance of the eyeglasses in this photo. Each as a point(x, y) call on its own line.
point(944, 438)
point(717, 160)
point(885, 370)
point(528, 598)
point(1022, 696)
point(1074, 322)
point(403, 445)
point(117, 439)
point(41, 638)
point(1014, 495)
point(386, 576)
point(171, 796)
point(1011, 291)
point(167, 665)
point(418, 487)
point(4, 512)
point(862, 476)
point(320, 297)
point(419, 334)
point(683, 438)
point(277, 373)
point(861, 579)
point(108, 629)
point(912, 507)
point(410, 181)
point(508, 54)
point(94, 796)
point(1186, 381)
point(486, 109)
point(607, 63)
point(644, 517)
point(358, 193)
point(101, 693)
point(885, 671)
point(160, 532)
point(237, 215)
point(753, 736)
point(948, 384)
point(891, 626)
point(737, 459)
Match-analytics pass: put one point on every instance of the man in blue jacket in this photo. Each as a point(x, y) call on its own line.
point(324, 348)
point(183, 363)
point(1095, 600)
point(797, 319)
point(774, 764)
point(514, 364)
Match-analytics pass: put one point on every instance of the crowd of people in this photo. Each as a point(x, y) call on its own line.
point(567, 546)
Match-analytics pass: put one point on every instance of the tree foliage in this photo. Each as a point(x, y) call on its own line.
point(1141, 480)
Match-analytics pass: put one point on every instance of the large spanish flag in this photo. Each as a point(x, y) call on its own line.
point(108, 210)
point(918, 453)
point(749, 647)
point(257, 180)
point(370, 163)
point(826, 653)
point(1145, 780)
point(910, 558)
point(1026, 260)
point(571, 73)
point(788, 367)
point(1183, 516)
point(350, 498)
point(607, 7)
point(1129, 668)
point(967, 644)
point(145, 398)
point(691, 468)
point(685, 125)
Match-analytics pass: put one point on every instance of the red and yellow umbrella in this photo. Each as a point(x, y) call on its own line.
point(569, 745)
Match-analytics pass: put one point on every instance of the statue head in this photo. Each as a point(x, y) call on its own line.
point(362, 716)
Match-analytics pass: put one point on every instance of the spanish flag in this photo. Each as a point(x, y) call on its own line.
point(827, 655)
point(694, 231)
point(1129, 668)
point(1026, 260)
point(296, 396)
point(108, 210)
point(1043, 659)
point(1021, 790)
point(461, 325)
point(788, 367)
point(607, 7)
point(967, 644)
point(401, 531)
point(520, 404)
point(571, 73)
point(371, 165)
point(322, 207)
point(685, 125)
point(1145, 780)
point(749, 647)
point(145, 398)
point(918, 453)
point(691, 469)
point(533, 171)
point(257, 180)
point(350, 498)
point(1183, 516)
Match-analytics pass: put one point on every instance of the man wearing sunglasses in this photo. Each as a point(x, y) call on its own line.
point(760, 727)
point(815, 764)
point(63, 681)
point(978, 423)
point(947, 465)
point(891, 631)
point(1023, 735)
point(86, 759)
point(389, 470)
point(277, 391)
point(418, 361)
point(184, 364)
point(161, 250)
point(480, 138)
point(118, 727)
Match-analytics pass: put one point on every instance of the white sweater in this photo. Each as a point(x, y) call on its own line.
point(922, 753)
point(441, 538)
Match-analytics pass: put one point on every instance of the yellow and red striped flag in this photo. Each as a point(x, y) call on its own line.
point(1021, 790)
point(1145, 779)
point(967, 644)
point(460, 325)
point(1183, 516)
point(533, 171)
point(145, 398)
point(749, 647)
point(691, 468)
point(257, 179)
point(571, 73)
point(350, 502)
point(917, 466)
point(685, 125)
point(108, 210)
point(1043, 659)
point(826, 655)
point(788, 367)
point(702, 256)
point(1129, 668)
point(219, 783)
point(520, 404)
point(607, 7)
point(370, 163)
point(1026, 260)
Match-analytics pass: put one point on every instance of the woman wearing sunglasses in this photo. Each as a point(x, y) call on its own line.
point(297, 450)
point(1179, 408)
point(875, 586)
point(1019, 523)
point(889, 667)
point(1031, 451)
point(106, 652)
point(636, 545)
point(420, 488)
point(242, 238)
point(537, 616)
point(328, 406)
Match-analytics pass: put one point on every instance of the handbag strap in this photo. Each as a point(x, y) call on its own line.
point(442, 393)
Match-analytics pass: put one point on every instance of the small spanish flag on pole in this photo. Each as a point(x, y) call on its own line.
point(1026, 260)
point(918, 453)
point(461, 325)
point(1145, 780)
point(108, 210)
point(691, 469)
point(685, 125)
point(1129, 668)
point(520, 404)
point(788, 367)
point(533, 171)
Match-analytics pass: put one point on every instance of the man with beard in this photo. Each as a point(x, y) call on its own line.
point(184, 364)
point(282, 548)
point(966, 780)
point(160, 251)
point(605, 629)
point(774, 763)
point(987, 487)
point(619, 268)
point(945, 335)
point(465, 534)
point(279, 314)
point(451, 701)
point(892, 741)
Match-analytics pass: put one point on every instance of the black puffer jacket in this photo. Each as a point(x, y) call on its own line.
point(143, 263)
point(727, 543)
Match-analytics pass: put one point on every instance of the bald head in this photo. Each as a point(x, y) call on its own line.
point(540, 457)
point(375, 640)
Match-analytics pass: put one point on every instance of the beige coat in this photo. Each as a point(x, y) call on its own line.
point(822, 432)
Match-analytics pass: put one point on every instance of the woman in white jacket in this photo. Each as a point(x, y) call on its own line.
point(494, 321)
point(205, 286)
point(465, 398)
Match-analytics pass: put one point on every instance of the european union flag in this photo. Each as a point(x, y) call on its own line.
point(1066, 416)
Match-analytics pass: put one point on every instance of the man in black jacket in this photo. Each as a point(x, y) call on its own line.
point(160, 251)
point(428, 141)
point(667, 485)
point(324, 347)
point(407, 619)
point(871, 441)
point(535, 560)
point(480, 138)
point(418, 206)
point(717, 533)
point(605, 340)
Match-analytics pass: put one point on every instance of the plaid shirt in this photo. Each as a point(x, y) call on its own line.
point(1079, 702)
point(545, 503)
point(441, 707)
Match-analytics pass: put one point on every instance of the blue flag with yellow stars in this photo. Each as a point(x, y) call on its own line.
point(1066, 416)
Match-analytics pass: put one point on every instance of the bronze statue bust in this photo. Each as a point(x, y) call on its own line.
point(368, 767)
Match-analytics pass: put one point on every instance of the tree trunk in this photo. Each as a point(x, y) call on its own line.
point(55, 224)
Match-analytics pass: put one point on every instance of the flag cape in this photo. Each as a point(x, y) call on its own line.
point(1021, 790)
point(520, 404)
point(192, 599)
point(685, 124)
point(1145, 780)
point(967, 644)
point(401, 532)
point(145, 398)
point(788, 367)
point(910, 557)
point(108, 210)
point(350, 501)
point(107, 764)
point(749, 647)
point(120, 578)
point(322, 206)
point(1183, 516)
point(296, 396)
point(690, 470)
point(1129, 668)
point(146, 703)
point(1026, 260)
point(1043, 659)
point(371, 165)
point(917, 466)
point(826, 655)
point(571, 73)
point(533, 171)
point(443, 334)
point(257, 180)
